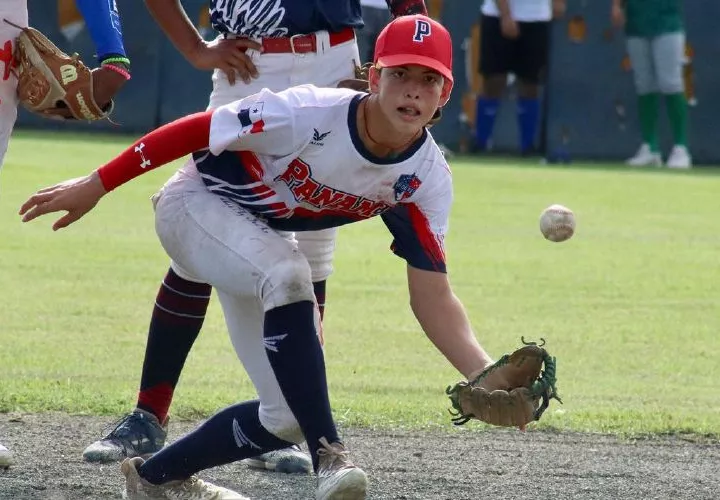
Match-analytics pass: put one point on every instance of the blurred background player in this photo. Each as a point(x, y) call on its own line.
point(375, 16)
point(103, 22)
point(656, 47)
point(292, 43)
point(514, 39)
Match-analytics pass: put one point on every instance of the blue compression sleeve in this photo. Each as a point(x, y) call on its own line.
point(103, 21)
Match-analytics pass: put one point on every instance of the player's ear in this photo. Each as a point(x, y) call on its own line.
point(445, 94)
point(374, 79)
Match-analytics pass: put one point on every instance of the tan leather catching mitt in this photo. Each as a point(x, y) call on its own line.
point(513, 406)
point(53, 84)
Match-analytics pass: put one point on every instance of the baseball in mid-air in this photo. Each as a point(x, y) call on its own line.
point(557, 223)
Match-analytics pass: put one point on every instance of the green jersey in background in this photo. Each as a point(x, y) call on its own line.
point(649, 18)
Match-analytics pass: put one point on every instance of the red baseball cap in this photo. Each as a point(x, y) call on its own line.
point(415, 39)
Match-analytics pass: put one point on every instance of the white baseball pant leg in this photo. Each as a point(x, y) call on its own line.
point(657, 63)
point(252, 267)
point(15, 11)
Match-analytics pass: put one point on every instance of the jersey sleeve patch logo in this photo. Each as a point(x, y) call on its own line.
point(319, 136)
point(422, 29)
point(251, 119)
point(405, 186)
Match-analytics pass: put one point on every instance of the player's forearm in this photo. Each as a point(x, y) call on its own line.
point(103, 22)
point(443, 319)
point(173, 20)
point(504, 9)
point(406, 7)
point(618, 3)
point(161, 146)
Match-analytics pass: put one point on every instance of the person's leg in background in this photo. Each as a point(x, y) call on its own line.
point(496, 53)
point(646, 86)
point(375, 19)
point(530, 68)
point(668, 53)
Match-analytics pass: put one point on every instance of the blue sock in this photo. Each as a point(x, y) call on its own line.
point(528, 111)
point(296, 357)
point(485, 113)
point(232, 434)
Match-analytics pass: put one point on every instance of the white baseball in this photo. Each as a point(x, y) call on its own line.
point(557, 223)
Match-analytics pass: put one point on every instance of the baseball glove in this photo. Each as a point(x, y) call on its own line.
point(361, 84)
point(53, 84)
point(513, 406)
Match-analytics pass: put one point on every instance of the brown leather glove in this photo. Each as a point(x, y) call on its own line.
point(52, 83)
point(513, 406)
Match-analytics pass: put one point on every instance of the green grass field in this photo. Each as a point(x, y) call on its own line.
point(629, 306)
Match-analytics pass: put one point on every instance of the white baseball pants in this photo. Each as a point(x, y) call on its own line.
point(658, 63)
point(252, 267)
point(17, 12)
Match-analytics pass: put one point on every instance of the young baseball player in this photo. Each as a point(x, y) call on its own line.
point(103, 21)
point(656, 46)
point(259, 171)
point(259, 47)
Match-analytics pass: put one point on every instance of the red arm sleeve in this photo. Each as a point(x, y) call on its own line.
point(163, 145)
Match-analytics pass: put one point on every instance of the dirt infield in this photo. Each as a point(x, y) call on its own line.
point(458, 465)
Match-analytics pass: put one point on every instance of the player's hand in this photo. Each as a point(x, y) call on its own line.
point(509, 28)
point(106, 84)
point(559, 7)
point(228, 55)
point(76, 197)
point(617, 16)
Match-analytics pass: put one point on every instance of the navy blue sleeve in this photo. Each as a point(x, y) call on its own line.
point(103, 22)
point(413, 238)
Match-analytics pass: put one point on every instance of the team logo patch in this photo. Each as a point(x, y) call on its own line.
point(405, 186)
point(319, 136)
point(251, 119)
point(422, 29)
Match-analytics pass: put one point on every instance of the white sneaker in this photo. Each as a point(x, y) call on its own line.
point(679, 158)
point(645, 157)
point(6, 458)
point(338, 477)
point(137, 488)
point(288, 460)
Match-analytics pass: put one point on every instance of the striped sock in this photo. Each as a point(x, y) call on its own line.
point(319, 288)
point(177, 318)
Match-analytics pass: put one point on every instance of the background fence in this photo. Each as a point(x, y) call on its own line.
point(589, 109)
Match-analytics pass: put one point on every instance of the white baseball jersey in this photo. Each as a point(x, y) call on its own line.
point(522, 10)
point(296, 160)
